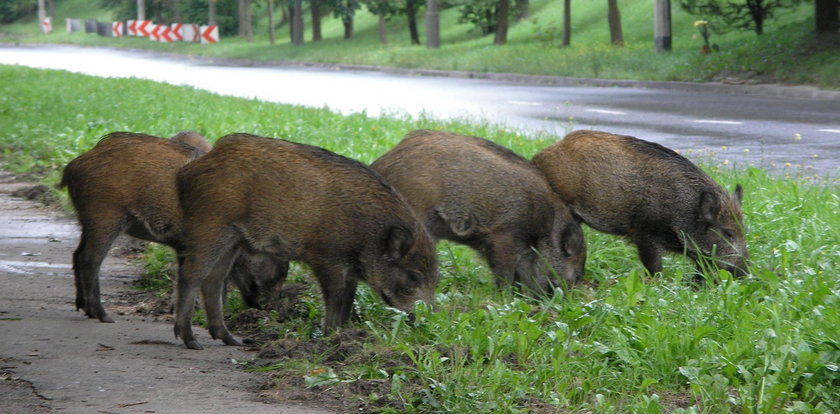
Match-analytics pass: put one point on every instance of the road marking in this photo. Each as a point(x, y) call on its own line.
point(836, 131)
point(525, 103)
point(715, 121)
point(604, 111)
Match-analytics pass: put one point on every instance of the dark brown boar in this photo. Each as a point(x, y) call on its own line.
point(475, 192)
point(126, 183)
point(297, 202)
point(650, 194)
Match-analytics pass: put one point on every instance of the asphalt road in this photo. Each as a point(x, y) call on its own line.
point(785, 132)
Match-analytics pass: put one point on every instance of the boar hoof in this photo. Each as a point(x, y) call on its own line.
point(193, 344)
point(231, 341)
point(105, 318)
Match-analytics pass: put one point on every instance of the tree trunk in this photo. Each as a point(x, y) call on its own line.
point(141, 9)
point(662, 25)
point(502, 22)
point(211, 13)
point(383, 35)
point(411, 14)
point(827, 15)
point(348, 26)
point(269, 6)
point(245, 29)
point(614, 18)
point(297, 23)
point(567, 22)
point(316, 19)
point(432, 25)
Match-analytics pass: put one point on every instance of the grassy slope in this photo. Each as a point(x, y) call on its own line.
point(787, 53)
point(622, 343)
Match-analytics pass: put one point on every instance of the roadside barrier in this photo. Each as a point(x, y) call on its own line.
point(176, 32)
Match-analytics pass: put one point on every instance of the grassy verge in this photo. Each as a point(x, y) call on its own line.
point(623, 342)
point(787, 53)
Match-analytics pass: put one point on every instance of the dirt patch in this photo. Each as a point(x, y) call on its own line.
point(337, 357)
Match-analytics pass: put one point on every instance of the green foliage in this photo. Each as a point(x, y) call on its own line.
point(739, 15)
point(622, 342)
point(13, 10)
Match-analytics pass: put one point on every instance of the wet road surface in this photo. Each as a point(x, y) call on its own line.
point(783, 134)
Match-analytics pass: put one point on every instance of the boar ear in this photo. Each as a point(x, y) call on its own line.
point(572, 240)
point(709, 207)
point(739, 193)
point(399, 242)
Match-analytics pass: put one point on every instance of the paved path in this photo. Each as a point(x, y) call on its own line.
point(78, 365)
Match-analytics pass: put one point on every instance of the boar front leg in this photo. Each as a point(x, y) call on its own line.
point(651, 255)
point(503, 256)
point(339, 290)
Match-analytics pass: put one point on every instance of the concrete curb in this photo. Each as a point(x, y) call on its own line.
point(771, 90)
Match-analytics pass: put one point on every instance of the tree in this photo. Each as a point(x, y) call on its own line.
point(269, 7)
point(345, 10)
point(211, 12)
point(567, 22)
point(827, 15)
point(246, 28)
point(614, 18)
point(523, 9)
point(315, 8)
point(383, 9)
point(502, 22)
point(726, 15)
point(481, 13)
point(432, 25)
point(410, 10)
point(141, 9)
point(662, 25)
point(297, 23)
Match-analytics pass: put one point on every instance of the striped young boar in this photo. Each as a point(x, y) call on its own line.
point(126, 184)
point(475, 192)
point(297, 202)
point(650, 194)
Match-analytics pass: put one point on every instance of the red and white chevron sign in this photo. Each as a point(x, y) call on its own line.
point(165, 33)
point(143, 27)
point(117, 29)
point(154, 33)
point(209, 34)
point(190, 33)
point(131, 25)
point(177, 31)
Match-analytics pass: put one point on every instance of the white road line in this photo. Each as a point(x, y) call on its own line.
point(604, 111)
point(525, 103)
point(836, 131)
point(715, 121)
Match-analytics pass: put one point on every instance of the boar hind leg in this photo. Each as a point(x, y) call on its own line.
point(338, 290)
point(87, 260)
point(188, 284)
point(212, 290)
point(651, 255)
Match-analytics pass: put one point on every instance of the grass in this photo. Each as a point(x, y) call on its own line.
point(622, 342)
point(787, 53)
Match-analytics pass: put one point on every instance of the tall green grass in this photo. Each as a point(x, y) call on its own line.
point(788, 52)
point(622, 342)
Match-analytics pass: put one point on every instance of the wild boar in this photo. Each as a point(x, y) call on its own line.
point(650, 194)
point(478, 193)
point(126, 184)
point(297, 202)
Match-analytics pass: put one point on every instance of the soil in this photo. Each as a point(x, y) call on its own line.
point(53, 358)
